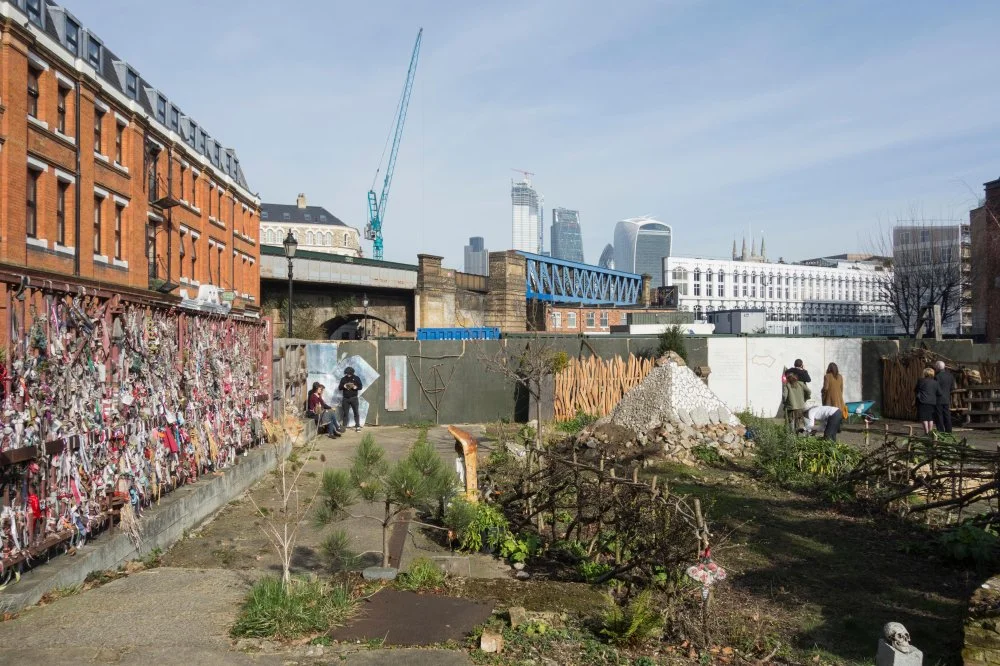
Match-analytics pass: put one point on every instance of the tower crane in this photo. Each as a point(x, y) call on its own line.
point(378, 204)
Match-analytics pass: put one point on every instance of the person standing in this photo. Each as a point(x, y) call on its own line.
point(350, 385)
point(833, 389)
point(946, 382)
point(800, 371)
point(794, 394)
point(927, 395)
point(831, 414)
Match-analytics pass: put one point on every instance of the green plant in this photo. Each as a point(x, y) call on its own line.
point(520, 548)
point(153, 558)
point(787, 459)
point(337, 551)
point(458, 516)
point(707, 454)
point(969, 544)
point(633, 624)
point(418, 481)
point(643, 661)
point(576, 424)
point(306, 605)
point(325, 641)
point(591, 570)
point(672, 340)
point(422, 574)
point(488, 528)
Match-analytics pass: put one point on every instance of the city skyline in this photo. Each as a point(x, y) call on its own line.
point(851, 111)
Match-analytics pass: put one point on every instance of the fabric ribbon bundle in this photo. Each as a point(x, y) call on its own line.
point(122, 403)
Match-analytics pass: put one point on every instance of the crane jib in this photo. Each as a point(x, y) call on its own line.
point(377, 205)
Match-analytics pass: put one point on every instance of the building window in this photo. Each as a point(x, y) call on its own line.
point(708, 277)
point(161, 109)
point(175, 119)
point(119, 140)
point(556, 319)
point(132, 84)
point(61, 110)
point(153, 183)
point(33, 92)
point(590, 320)
point(98, 123)
point(182, 250)
point(570, 320)
point(744, 291)
point(119, 210)
point(72, 36)
point(770, 291)
point(624, 318)
point(31, 204)
point(722, 277)
point(218, 264)
point(309, 238)
point(94, 53)
point(946, 255)
point(925, 255)
point(345, 240)
point(697, 286)
point(309, 217)
point(925, 235)
point(151, 250)
point(194, 189)
point(194, 258)
point(61, 188)
point(604, 320)
point(34, 8)
point(183, 180)
point(98, 201)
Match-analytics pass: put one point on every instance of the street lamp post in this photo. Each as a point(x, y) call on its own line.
point(364, 304)
point(290, 246)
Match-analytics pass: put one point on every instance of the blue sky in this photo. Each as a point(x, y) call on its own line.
point(813, 122)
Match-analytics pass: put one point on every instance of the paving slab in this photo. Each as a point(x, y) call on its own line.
point(402, 618)
point(408, 657)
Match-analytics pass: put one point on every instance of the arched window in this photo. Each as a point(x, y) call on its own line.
point(328, 239)
point(345, 240)
point(310, 240)
point(268, 238)
point(697, 275)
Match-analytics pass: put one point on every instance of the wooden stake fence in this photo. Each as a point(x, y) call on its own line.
point(594, 385)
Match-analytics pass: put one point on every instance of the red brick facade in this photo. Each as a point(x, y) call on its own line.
point(93, 222)
point(578, 319)
point(985, 229)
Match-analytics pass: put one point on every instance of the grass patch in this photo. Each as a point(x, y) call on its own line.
point(307, 606)
point(576, 424)
point(422, 574)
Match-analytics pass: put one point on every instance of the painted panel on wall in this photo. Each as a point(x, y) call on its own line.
point(395, 383)
point(727, 359)
point(846, 353)
point(321, 359)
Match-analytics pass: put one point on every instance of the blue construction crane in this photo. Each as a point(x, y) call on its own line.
point(377, 205)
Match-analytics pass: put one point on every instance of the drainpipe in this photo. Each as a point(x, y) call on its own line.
point(170, 213)
point(76, 189)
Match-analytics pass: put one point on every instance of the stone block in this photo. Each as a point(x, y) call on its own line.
point(518, 616)
point(889, 656)
point(380, 573)
point(700, 416)
point(491, 642)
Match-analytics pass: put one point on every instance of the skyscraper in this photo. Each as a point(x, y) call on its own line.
point(477, 257)
point(525, 220)
point(567, 242)
point(641, 243)
point(607, 257)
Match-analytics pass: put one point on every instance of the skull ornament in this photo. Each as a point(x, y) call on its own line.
point(898, 637)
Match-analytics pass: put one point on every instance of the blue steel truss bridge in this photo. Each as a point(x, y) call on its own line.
point(559, 281)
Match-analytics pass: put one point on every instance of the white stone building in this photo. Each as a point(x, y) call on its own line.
point(315, 228)
point(798, 299)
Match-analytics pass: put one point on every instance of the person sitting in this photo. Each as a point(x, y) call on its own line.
point(832, 415)
point(325, 415)
point(794, 395)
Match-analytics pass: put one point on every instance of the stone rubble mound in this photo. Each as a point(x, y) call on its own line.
point(672, 411)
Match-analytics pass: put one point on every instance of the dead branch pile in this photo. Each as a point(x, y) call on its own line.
point(634, 528)
point(943, 481)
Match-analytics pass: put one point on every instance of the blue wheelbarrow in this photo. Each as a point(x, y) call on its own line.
point(860, 411)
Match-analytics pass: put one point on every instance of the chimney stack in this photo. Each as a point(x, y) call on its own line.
point(300, 201)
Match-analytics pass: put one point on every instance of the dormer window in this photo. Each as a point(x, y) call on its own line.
point(161, 109)
point(263, 214)
point(132, 84)
point(322, 218)
point(94, 53)
point(34, 8)
point(309, 218)
point(175, 119)
point(286, 216)
point(72, 36)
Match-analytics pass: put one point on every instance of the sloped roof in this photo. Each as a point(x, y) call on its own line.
point(271, 212)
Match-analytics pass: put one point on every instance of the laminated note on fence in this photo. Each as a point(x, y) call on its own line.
point(395, 383)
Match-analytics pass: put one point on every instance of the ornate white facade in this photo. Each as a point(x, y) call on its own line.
point(798, 299)
point(314, 227)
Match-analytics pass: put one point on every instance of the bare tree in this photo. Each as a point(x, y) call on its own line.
point(924, 269)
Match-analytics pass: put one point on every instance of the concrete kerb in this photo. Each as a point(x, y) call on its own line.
point(161, 527)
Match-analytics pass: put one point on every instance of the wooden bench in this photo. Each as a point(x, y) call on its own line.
point(467, 446)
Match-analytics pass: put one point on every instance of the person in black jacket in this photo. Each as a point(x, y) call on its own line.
point(350, 385)
point(928, 393)
point(800, 371)
point(946, 382)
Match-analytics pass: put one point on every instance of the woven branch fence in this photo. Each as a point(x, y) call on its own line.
point(900, 374)
point(594, 385)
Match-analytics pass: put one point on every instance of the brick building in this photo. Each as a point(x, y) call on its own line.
point(106, 182)
point(985, 249)
point(576, 319)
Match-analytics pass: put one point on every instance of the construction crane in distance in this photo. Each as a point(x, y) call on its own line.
point(378, 204)
point(527, 174)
